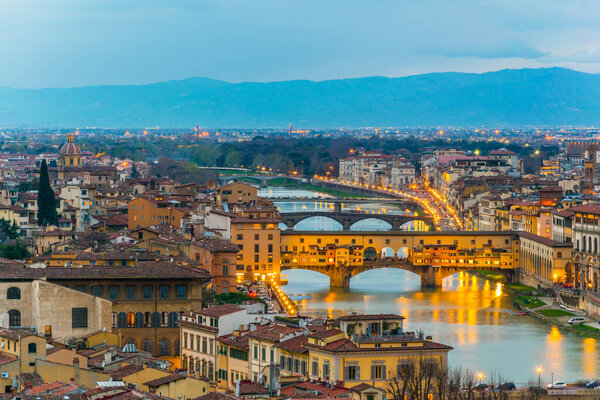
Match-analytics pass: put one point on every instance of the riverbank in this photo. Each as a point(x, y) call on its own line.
point(545, 308)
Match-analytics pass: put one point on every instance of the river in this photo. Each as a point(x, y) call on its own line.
point(467, 312)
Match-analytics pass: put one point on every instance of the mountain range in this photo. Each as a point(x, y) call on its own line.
point(522, 97)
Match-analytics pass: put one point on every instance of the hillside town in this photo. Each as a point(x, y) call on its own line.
point(132, 285)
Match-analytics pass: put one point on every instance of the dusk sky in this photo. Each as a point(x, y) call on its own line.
point(64, 43)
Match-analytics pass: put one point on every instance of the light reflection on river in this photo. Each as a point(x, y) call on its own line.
point(468, 313)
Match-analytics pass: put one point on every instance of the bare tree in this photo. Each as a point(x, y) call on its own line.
point(418, 379)
point(496, 390)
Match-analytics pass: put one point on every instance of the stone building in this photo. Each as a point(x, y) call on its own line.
point(52, 309)
point(148, 297)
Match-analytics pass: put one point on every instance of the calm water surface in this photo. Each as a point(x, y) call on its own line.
point(467, 312)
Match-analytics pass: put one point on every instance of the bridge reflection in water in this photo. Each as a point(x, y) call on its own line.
point(469, 314)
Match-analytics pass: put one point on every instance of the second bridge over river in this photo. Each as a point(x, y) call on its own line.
point(431, 255)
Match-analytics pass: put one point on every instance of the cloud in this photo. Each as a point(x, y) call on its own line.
point(499, 49)
point(581, 56)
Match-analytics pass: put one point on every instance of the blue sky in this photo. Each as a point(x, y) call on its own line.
point(64, 43)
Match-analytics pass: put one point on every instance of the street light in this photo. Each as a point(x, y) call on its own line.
point(539, 371)
point(480, 376)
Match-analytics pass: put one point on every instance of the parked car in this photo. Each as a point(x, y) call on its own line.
point(595, 384)
point(481, 387)
point(558, 385)
point(576, 320)
point(507, 386)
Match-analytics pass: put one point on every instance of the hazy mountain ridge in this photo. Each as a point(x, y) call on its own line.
point(550, 97)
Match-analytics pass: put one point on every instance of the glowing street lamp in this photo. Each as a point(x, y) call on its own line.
point(539, 371)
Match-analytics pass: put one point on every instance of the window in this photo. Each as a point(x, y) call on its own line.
point(353, 373)
point(14, 318)
point(147, 345)
point(240, 237)
point(256, 352)
point(181, 291)
point(296, 365)
point(256, 237)
point(164, 347)
point(204, 345)
point(147, 292)
point(263, 353)
point(225, 270)
point(130, 319)
point(270, 248)
point(80, 288)
point(113, 292)
point(163, 291)
point(256, 248)
point(270, 236)
point(13, 293)
point(326, 370)
point(303, 367)
point(130, 292)
point(282, 362)
point(32, 348)
point(315, 367)
point(79, 317)
point(377, 371)
point(97, 291)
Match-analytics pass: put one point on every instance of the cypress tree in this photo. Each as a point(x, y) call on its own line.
point(46, 201)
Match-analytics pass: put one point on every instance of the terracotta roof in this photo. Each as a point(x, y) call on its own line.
point(544, 241)
point(142, 270)
point(215, 244)
point(14, 334)
point(587, 208)
point(294, 345)
point(241, 342)
point(272, 332)
point(322, 334)
point(564, 213)
point(127, 370)
point(164, 380)
point(6, 358)
point(70, 148)
point(31, 379)
point(249, 388)
point(217, 396)
point(220, 310)
point(363, 386)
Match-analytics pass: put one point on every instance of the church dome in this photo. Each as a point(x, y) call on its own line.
point(70, 148)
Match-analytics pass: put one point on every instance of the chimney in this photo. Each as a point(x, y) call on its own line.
point(76, 366)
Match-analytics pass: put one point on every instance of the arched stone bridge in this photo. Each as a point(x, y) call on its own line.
point(347, 219)
point(431, 276)
point(431, 255)
point(263, 180)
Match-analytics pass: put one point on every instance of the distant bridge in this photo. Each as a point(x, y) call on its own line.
point(263, 180)
point(432, 255)
point(347, 219)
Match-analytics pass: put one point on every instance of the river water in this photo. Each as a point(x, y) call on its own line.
point(467, 312)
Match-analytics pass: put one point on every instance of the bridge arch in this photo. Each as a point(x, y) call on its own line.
point(334, 223)
point(403, 253)
point(383, 224)
point(370, 254)
point(387, 253)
